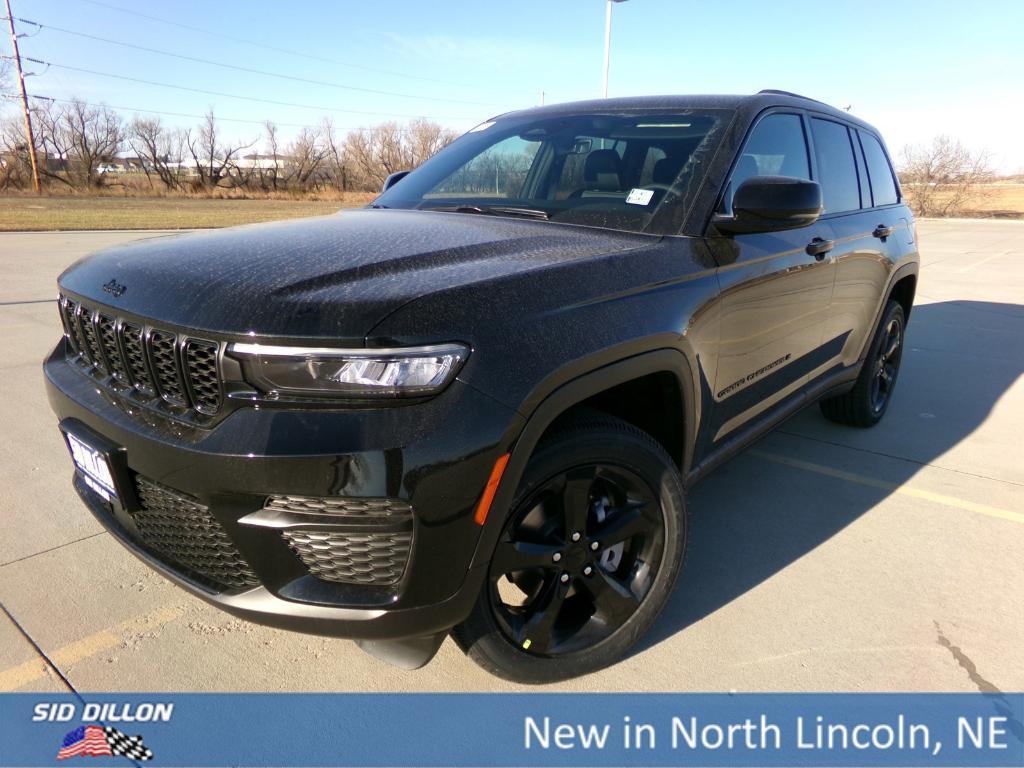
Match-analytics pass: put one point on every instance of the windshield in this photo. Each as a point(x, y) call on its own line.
point(630, 171)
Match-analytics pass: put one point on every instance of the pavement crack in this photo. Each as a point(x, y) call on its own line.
point(27, 301)
point(42, 654)
point(965, 662)
point(52, 549)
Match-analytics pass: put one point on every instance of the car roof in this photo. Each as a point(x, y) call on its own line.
point(750, 105)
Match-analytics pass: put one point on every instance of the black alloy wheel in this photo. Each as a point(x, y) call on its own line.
point(886, 365)
point(579, 555)
point(587, 558)
point(871, 394)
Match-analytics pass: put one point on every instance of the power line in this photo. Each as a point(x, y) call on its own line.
point(252, 70)
point(235, 96)
point(278, 49)
point(179, 114)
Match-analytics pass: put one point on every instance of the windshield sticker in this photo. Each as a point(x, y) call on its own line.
point(639, 196)
point(481, 127)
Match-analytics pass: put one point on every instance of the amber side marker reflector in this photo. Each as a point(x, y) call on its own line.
point(484, 507)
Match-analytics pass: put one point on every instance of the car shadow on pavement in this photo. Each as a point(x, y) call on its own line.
point(752, 518)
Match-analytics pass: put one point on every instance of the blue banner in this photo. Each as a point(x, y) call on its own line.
point(399, 730)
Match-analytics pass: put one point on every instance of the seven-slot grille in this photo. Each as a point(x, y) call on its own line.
point(153, 362)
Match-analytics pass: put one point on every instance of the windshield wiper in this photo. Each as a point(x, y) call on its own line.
point(493, 210)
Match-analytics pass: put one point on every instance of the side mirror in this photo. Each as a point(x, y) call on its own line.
point(772, 204)
point(393, 179)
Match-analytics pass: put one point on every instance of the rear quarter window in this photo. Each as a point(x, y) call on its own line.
point(883, 185)
point(837, 169)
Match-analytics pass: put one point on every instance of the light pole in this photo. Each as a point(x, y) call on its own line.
point(607, 44)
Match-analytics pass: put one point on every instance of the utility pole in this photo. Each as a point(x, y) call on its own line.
point(24, 102)
point(607, 44)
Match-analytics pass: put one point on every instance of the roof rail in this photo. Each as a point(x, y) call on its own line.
point(776, 92)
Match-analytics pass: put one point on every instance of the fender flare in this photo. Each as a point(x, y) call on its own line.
point(573, 392)
point(907, 270)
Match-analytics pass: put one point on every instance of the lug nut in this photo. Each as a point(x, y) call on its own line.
point(587, 571)
point(594, 546)
point(564, 578)
point(557, 556)
point(576, 536)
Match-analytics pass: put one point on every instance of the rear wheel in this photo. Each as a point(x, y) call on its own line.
point(587, 559)
point(867, 402)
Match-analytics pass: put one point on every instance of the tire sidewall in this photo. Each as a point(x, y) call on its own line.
point(633, 450)
point(894, 311)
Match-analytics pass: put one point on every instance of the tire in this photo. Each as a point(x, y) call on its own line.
point(867, 402)
point(553, 607)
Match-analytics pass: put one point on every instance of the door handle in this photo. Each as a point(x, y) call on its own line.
point(818, 247)
point(882, 231)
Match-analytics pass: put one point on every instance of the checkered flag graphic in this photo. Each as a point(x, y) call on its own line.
point(129, 746)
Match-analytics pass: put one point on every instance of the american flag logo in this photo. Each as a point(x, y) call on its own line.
point(100, 741)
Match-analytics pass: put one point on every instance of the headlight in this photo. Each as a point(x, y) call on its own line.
point(353, 373)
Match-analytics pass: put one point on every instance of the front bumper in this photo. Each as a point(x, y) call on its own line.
point(434, 456)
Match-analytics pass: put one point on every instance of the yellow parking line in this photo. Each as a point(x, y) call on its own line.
point(22, 674)
point(903, 490)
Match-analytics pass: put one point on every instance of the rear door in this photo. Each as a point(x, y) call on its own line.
point(775, 294)
point(866, 228)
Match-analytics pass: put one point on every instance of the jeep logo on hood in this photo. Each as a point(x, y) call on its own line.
point(115, 288)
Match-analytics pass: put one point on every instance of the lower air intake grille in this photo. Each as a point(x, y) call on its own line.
point(377, 559)
point(181, 531)
point(352, 540)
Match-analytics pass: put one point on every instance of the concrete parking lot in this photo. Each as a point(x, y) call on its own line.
point(824, 558)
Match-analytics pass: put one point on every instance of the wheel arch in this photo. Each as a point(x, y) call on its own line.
point(660, 365)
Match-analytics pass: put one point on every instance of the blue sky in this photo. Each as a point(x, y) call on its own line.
point(914, 68)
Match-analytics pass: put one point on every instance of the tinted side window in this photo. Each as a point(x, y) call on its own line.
point(883, 188)
point(776, 147)
point(837, 170)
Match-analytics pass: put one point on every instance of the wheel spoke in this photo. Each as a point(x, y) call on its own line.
point(535, 632)
point(576, 500)
point(892, 344)
point(511, 556)
point(613, 600)
point(623, 524)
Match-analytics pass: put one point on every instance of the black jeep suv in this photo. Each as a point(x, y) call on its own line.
point(475, 406)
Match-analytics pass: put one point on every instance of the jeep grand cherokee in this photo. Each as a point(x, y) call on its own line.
point(475, 406)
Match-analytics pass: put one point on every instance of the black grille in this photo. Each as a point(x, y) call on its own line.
point(377, 559)
point(201, 360)
point(348, 539)
point(152, 362)
point(394, 510)
point(135, 359)
point(178, 529)
point(115, 364)
point(163, 350)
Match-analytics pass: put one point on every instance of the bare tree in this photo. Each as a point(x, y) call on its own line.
point(6, 81)
point(942, 178)
point(305, 159)
point(379, 151)
point(160, 149)
point(15, 166)
point(76, 138)
point(273, 173)
point(214, 160)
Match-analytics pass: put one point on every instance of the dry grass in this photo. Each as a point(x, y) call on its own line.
point(30, 213)
point(998, 201)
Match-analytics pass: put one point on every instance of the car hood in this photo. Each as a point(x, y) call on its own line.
point(334, 276)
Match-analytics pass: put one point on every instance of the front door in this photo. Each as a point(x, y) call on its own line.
point(776, 290)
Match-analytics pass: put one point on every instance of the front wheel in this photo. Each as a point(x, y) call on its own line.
point(587, 559)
